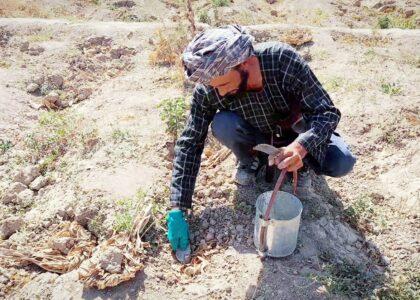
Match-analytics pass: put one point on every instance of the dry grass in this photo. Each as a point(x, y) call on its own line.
point(22, 8)
point(368, 40)
point(296, 37)
point(168, 47)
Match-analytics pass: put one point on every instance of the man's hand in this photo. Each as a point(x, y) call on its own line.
point(178, 234)
point(289, 158)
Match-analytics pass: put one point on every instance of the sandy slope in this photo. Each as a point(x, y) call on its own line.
point(382, 129)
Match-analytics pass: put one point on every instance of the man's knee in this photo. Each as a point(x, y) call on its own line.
point(223, 127)
point(343, 164)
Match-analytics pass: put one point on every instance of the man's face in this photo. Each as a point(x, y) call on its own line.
point(232, 83)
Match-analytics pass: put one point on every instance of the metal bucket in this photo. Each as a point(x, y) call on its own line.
point(283, 225)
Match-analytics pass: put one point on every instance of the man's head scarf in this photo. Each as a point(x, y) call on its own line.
point(215, 51)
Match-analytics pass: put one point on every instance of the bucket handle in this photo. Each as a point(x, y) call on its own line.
point(263, 228)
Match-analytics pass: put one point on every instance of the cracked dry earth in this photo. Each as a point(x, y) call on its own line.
point(358, 234)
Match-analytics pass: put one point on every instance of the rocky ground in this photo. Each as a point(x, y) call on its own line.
point(82, 141)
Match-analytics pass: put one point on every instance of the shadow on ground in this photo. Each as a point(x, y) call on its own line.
point(332, 259)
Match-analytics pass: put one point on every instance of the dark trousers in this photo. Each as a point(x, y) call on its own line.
point(239, 136)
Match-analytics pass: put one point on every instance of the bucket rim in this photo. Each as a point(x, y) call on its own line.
point(262, 197)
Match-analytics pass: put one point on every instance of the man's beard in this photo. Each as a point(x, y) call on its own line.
point(243, 86)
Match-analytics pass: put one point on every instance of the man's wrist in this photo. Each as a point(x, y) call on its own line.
point(300, 149)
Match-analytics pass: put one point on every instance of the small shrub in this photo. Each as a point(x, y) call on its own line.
point(41, 37)
point(220, 3)
point(5, 145)
point(391, 89)
point(204, 17)
point(52, 137)
point(396, 21)
point(168, 47)
point(406, 286)
point(361, 210)
point(119, 135)
point(174, 115)
point(384, 22)
point(333, 84)
point(346, 279)
point(128, 209)
point(4, 64)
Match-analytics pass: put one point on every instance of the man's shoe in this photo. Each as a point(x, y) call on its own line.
point(246, 173)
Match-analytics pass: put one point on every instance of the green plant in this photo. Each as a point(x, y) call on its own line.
point(220, 3)
point(391, 89)
point(128, 209)
point(4, 64)
point(5, 145)
point(346, 279)
point(203, 16)
point(174, 115)
point(319, 16)
point(361, 210)
point(396, 21)
point(40, 37)
point(119, 135)
point(332, 84)
point(384, 22)
point(52, 137)
point(403, 287)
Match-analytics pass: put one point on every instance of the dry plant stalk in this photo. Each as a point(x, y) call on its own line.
point(190, 15)
point(217, 158)
point(129, 244)
point(296, 37)
point(54, 260)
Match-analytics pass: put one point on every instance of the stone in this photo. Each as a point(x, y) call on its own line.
point(25, 197)
point(84, 93)
point(357, 3)
point(205, 224)
point(8, 198)
point(24, 47)
point(55, 81)
point(17, 187)
point(408, 13)
point(35, 104)
point(239, 228)
point(52, 97)
point(34, 51)
point(111, 259)
point(387, 8)
point(209, 236)
point(212, 222)
point(274, 13)
point(63, 244)
point(39, 183)
point(125, 3)
point(39, 80)
point(10, 226)
point(27, 174)
point(32, 87)
point(85, 214)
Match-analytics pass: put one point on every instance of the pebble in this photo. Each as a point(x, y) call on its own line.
point(212, 222)
point(239, 228)
point(32, 87)
point(205, 224)
point(209, 236)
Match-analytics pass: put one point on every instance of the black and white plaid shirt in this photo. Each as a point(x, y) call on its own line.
point(284, 73)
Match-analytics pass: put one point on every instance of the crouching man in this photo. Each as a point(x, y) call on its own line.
point(250, 94)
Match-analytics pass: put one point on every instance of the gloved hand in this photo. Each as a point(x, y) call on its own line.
point(178, 233)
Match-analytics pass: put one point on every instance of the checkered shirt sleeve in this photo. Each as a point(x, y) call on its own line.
point(189, 148)
point(318, 111)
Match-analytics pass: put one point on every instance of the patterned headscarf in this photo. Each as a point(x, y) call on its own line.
point(215, 51)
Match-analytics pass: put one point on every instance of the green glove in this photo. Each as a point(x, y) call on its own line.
point(178, 234)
